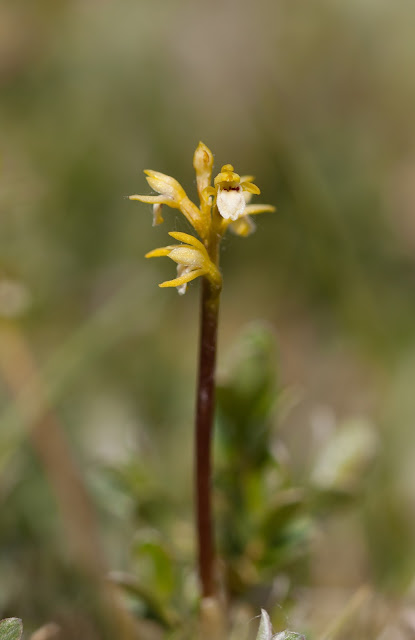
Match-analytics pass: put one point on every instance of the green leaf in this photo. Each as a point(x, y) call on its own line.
point(286, 545)
point(246, 399)
point(154, 563)
point(11, 629)
point(155, 609)
point(282, 510)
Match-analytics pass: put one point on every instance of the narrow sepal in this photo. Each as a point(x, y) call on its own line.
point(253, 209)
point(250, 187)
point(244, 226)
point(177, 282)
point(188, 239)
point(157, 253)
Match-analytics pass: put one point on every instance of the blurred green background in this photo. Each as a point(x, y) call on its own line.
point(314, 97)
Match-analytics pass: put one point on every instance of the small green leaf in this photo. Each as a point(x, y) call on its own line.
point(282, 510)
point(155, 563)
point(246, 399)
point(155, 609)
point(11, 629)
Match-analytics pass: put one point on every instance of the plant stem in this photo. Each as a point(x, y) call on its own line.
point(205, 407)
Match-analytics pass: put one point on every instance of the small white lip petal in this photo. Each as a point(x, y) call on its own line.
point(231, 203)
point(181, 289)
point(181, 270)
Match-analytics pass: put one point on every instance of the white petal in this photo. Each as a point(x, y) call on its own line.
point(231, 203)
point(181, 270)
point(181, 289)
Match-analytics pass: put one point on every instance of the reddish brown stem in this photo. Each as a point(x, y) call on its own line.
point(204, 426)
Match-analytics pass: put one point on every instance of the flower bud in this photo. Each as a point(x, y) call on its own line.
point(166, 185)
point(202, 163)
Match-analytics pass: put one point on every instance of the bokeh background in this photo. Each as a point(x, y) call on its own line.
point(314, 97)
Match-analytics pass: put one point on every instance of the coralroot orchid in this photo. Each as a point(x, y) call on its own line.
point(224, 204)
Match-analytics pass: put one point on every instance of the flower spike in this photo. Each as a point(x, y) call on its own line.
point(224, 204)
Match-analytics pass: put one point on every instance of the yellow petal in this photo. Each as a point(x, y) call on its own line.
point(252, 209)
point(157, 253)
point(250, 187)
point(243, 227)
point(155, 200)
point(203, 163)
point(188, 239)
point(188, 256)
point(238, 225)
point(191, 275)
point(173, 194)
point(206, 194)
point(227, 175)
point(166, 185)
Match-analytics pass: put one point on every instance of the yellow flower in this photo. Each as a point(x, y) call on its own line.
point(172, 194)
point(192, 261)
point(225, 204)
point(230, 196)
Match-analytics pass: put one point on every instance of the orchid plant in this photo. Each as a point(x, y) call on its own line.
point(225, 204)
